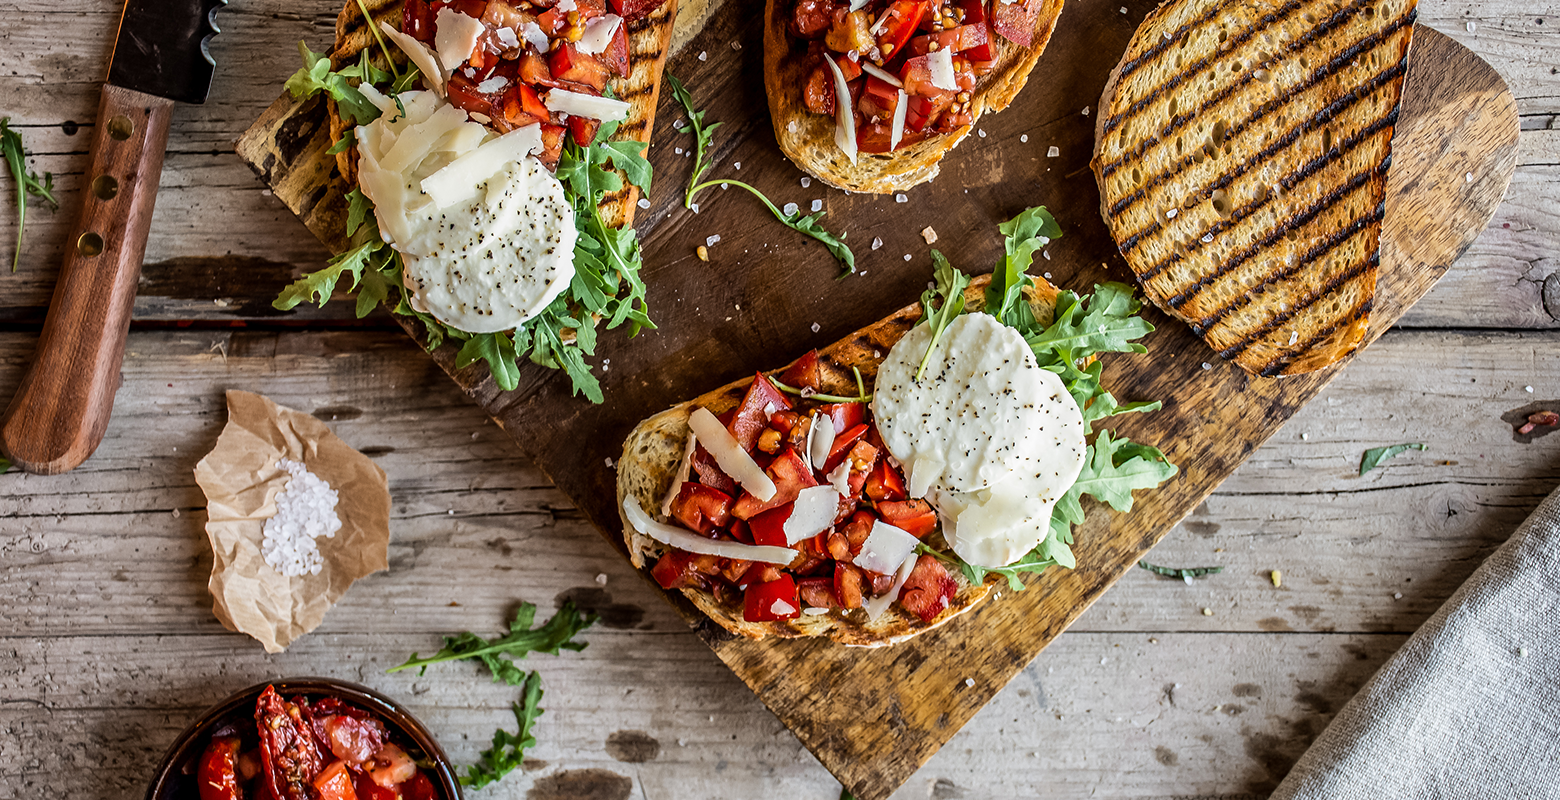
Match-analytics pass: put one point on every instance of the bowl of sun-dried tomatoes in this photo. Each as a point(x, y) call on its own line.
point(305, 739)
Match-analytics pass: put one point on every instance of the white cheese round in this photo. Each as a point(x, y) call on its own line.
point(987, 435)
point(482, 256)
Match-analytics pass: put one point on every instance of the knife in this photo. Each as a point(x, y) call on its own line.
point(62, 407)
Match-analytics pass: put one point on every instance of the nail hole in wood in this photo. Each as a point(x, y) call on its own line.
point(90, 244)
point(105, 187)
point(121, 127)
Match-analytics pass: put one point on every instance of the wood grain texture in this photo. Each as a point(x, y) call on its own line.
point(874, 718)
point(62, 407)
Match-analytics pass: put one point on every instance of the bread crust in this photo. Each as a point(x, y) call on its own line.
point(1279, 327)
point(808, 139)
point(649, 39)
point(654, 449)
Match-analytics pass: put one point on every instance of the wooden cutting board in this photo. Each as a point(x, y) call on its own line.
point(873, 717)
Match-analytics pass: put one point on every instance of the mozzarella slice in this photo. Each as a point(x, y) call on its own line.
point(981, 406)
point(941, 65)
point(576, 104)
point(812, 513)
point(733, 460)
point(674, 536)
point(844, 115)
point(455, 37)
point(999, 526)
point(458, 181)
point(421, 55)
point(886, 548)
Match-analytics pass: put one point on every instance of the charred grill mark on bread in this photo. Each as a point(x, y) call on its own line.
point(1312, 81)
point(1265, 236)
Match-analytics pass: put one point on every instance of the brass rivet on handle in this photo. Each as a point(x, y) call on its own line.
point(89, 244)
point(121, 127)
point(105, 187)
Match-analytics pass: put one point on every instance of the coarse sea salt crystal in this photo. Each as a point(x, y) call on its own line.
point(644, 203)
point(305, 510)
point(901, 198)
point(1053, 151)
point(709, 241)
point(1024, 137)
point(817, 205)
point(789, 209)
point(876, 243)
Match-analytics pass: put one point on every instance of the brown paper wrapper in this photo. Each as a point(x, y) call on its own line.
point(241, 482)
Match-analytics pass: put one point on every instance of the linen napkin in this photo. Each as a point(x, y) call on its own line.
point(1470, 707)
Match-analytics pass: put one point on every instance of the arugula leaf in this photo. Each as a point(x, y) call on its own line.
point(348, 139)
point(358, 207)
point(806, 225)
point(1184, 573)
point(508, 751)
point(5, 465)
point(319, 286)
point(845, 794)
point(27, 183)
point(703, 134)
point(315, 76)
point(498, 350)
point(1031, 230)
point(499, 654)
point(949, 285)
point(629, 158)
point(1112, 469)
point(1374, 456)
point(1106, 322)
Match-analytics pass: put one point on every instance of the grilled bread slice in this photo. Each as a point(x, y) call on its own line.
point(654, 449)
point(649, 38)
point(808, 139)
point(1241, 150)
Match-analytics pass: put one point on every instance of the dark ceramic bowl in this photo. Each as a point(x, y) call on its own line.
point(175, 778)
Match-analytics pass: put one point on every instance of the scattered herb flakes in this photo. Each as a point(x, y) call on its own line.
point(508, 750)
point(1184, 573)
point(499, 654)
point(792, 217)
point(1374, 456)
point(27, 183)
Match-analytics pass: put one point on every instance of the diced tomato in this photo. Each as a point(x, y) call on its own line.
point(885, 483)
point(960, 39)
point(534, 70)
point(733, 569)
point(417, 20)
point(858, 529)
point(818, 92)
point(471, 8)
point(790, 476)
point(914, 517)
point(758, 573)
point(523, 107)
point(583, 130)
point(805, 373)
point(463, 94)
point(710, 473)
point(740, 531)
point(368, 790)
point(1016, 21)
point(753, 414)
point(634, 9)
point(590, 9)
point(817, 592)
point(615, 57)
point(974, 10)
point(552, 144)
point(390, 766)
point(553, 21)
point(569, 64)
point(887, 92)
point(848, 580)
point(849, 31)
point(785, 421)
point(836, 545)
point(922, 112)
point(841, 446)
point(419, 787)
point(701, 509)
point(811, 19)
point(903, 18)
point(775, 600)
point(217, 773)
point(845, 415)
point(950, 122)
point(768, 528)
point(672, 571)
point(351, 739)
point(878, 138)
point(916, 74)
point(334, 783)
point(928, 590)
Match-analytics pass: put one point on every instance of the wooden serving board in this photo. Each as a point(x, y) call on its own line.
point(767, 294)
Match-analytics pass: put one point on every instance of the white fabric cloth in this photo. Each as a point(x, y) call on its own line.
point(1470, 707)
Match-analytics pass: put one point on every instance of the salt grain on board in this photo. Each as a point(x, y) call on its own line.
point(305, 510)
point(876, 243)
point(644, 203)
point(1053, 152)
point(817, 205)
point(1024, 137)
point(900, 198)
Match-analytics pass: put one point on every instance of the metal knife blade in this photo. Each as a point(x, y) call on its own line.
point(161, 48)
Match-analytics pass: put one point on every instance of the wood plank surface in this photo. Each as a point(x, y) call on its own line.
point(873, 717)
point(119, 564)
point(108, 607)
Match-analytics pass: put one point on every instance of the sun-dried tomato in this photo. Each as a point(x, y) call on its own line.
point(289, 752)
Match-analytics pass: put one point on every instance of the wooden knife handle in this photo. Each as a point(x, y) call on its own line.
point(61, 409)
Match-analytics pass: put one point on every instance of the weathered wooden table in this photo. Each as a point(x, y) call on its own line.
point(1163, 688)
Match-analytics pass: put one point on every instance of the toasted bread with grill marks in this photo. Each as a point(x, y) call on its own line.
point(808, 139)
point(1241, 150)
point(654, 449)
point(648, 41)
